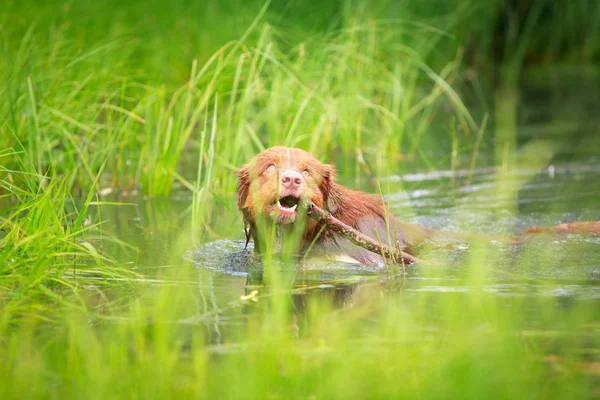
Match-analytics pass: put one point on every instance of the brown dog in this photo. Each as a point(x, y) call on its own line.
point(276, 181)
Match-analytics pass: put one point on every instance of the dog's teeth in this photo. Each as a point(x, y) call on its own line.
point(286, 207)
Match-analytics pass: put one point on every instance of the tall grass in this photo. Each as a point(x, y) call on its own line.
point(327, 93)
point(46, 237)
point(367, 88)
point(161, 97)
point(391, 343)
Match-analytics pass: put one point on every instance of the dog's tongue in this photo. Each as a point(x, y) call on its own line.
point(286, 210)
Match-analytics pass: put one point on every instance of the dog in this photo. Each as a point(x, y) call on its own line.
point(275, 184)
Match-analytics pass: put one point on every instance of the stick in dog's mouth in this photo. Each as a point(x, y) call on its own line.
point(357, 237)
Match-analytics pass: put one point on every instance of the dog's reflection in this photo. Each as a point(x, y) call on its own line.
point(303, 289)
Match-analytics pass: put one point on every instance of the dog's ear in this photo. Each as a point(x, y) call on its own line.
point(243, 186)
point(328, 174)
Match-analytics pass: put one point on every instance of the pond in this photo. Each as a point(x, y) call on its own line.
point(565, 267)
point(183, 307)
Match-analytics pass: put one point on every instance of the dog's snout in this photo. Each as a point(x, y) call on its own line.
point(291, 179)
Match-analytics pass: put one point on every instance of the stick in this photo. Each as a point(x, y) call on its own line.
point(357, 237)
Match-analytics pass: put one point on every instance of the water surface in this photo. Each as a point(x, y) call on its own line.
point(225, 274)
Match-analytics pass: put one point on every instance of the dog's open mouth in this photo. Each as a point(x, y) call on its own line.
point(288, 204)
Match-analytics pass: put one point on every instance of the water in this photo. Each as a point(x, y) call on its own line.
point(225, 271)
point(564, 271)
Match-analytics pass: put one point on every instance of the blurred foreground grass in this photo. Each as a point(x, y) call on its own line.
point(159, 96)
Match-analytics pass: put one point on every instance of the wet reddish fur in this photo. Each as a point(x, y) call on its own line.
point(255, 192)
point(258, 189)
point(360, 210)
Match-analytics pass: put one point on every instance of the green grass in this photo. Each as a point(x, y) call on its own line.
point(74, 100)
point(164, 97)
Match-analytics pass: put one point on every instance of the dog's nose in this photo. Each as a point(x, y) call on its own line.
point(291, 179)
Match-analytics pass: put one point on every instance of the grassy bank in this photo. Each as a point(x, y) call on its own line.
point(100, 101)
point(75, 96)
point(371, 84)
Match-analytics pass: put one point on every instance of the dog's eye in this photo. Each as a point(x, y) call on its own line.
point(271, 168)
point(305, 172)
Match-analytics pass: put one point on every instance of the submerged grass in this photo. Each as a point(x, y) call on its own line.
point(101, 96)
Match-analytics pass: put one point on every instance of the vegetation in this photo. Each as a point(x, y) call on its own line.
point(103, 100)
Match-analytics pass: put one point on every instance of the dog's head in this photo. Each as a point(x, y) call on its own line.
point(277, 181)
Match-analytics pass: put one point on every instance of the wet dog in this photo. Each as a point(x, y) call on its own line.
point(275, 184)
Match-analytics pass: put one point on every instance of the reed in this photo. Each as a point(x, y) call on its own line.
point(168, 99)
